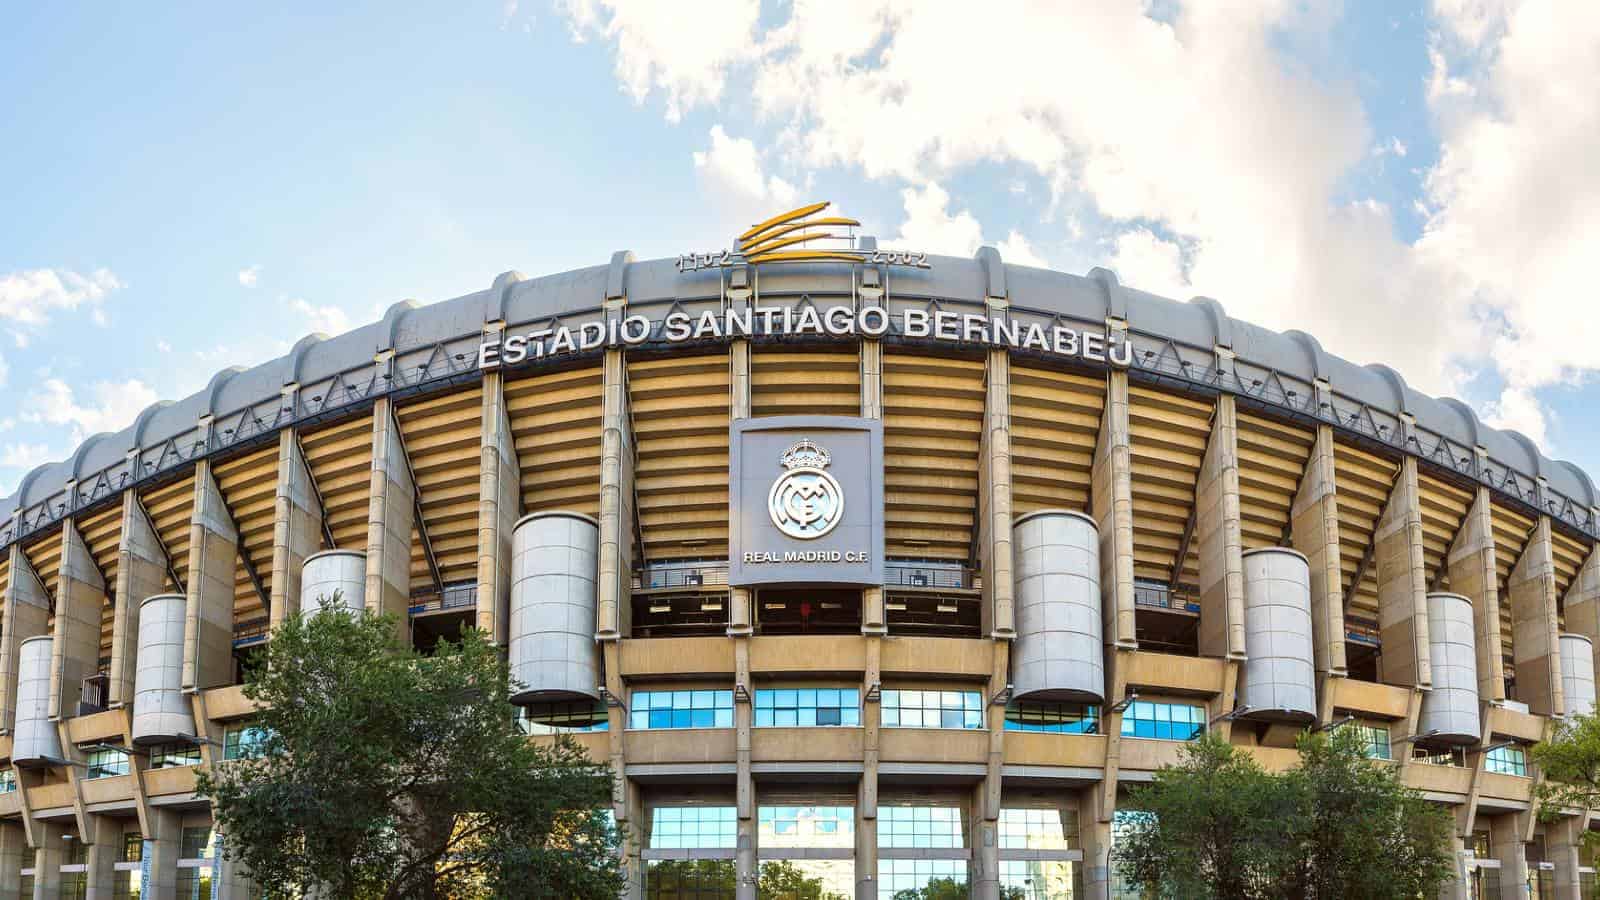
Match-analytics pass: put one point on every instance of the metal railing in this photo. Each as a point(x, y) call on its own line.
point(931, 577)
point(681, 574)
point(455, 596)
point(251, 631)
point(96, 694)
point(1160, 596)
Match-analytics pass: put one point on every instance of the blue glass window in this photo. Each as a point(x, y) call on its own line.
point(806, 826)
point(1038, 829)
point(681, 709)
point(1053, 718)
point(921, 827)
point(921, 877)
point(244, 742)
point(559, 718)
point(932, 709)
point(106, 762)
point(1376, 738)
point(693, 828)
point(1164, 721)
point(1507, 761)
point(808, 707)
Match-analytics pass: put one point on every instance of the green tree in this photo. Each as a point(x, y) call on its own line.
point(951, 889)
point(783, 880)
point(1358, 832)
point(1570, 761)
point(1208, 829)
point(388, 774)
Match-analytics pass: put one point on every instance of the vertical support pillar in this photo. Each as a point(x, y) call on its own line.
point(230, 879)
point(1510, 846)
point(142, 567)
point(1535, 637)
point(208, 619)
point(104, 835)
point(1094, 831)
point(1563, 839)
point(163, 838)
point(13, 850)
point(740, 628)
point(75, 650)
point(1456, 887)
point(499, 507)
point(1314, 531)
point(296, 525)
point(391, 519)
point(1472, 573)
point(1219, 541)
point(47, 860)
point(867, 793)
point(1402, 585)
point(1112, 503)
point(26, 615)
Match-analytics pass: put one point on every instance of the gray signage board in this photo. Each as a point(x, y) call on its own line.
point(805, 501)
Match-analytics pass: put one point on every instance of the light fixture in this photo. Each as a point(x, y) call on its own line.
point(1003, 697)
point(1413, 738)
point(1334, 724)
point(874, 692)
point(1229, 717)
point(610, 699)
point(1124, 703)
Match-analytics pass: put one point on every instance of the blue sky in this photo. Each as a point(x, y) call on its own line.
point(191, 186)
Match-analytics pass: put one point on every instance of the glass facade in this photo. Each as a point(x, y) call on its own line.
point(933, 877)
point(126, 885)
point(1164, 721)
point(1507, 761)
point(8, 780)
point(1040, 879)
point(1376, 738)
point(807, 707)
point(787, 827)
point(165, 756)
point(681, 709)
point(106, 762)
point(690, 879)
point(563, 718)
point(806, 879)
point(1053, 718)
point(195, 842)
point(1038, 829)
point(693, 827)
point(74, 885)
point(243, 742)
point(132, 846)
point(932, 709)
point(920, 827)
point(194, 884)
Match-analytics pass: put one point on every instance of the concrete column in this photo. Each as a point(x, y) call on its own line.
point(1456, 887)
point(296, 525)
point(26, 615)
point(993, 524)
point(1402, 585)
point(871, 380)
point(740, 628)
point(104, 835)
point(1112, 503)
point(1314, 531)
point(1470, 566)
point(867, 792)
point(1094, 831)
point(213, 561)
point(1534, 633)
point(499, 507)
point(1562, 841)
point(75, 650)
point(1583, 600)
point(1218, 539)
point(163, 842)
point(1509, 845)
point(391, 518)
point(616, 502)
point(230, 880)
point(142, 567)
point(48, 856)
point(13, 849)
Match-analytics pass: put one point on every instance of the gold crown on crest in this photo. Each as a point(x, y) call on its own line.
point(805, 455)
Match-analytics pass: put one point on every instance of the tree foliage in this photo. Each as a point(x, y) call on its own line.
point(1570, 761)
point(1337, 826)
point(387, 774)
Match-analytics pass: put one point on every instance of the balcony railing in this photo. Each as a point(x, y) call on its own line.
point(96, 694)
point(937, 577)
point(455, 596)
point(250, 632)
point(1159, 596)
point(681, 575)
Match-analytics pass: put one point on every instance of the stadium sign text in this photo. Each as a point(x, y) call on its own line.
point(874, 322)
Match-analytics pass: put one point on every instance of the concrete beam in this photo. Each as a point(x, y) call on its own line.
point(26, 615)
point(391, 517)
point(992, 531)
point(142, 573)
point(1402, 585)
point(1111, 495)
point(1314, 531)
point(296, 527)
point(13, 850)
point(208, 618)
point(75, 649)
point(617, 462)
point(1217, 528)
point(1471, 570)
point(499, 507)
point(1535, 635)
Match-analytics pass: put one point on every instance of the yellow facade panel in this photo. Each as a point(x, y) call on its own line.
point(1055, 421)
point(556, 426)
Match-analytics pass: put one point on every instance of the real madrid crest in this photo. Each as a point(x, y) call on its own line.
point(805, 502)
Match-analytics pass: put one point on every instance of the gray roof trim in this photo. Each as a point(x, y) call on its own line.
point(1275, 369)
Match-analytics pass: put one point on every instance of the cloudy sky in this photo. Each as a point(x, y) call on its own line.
point(186, 188)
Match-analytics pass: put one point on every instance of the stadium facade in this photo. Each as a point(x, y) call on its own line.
point(866, 567)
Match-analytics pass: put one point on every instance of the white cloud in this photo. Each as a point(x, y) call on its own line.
point(29, 297)
point(1519, 410)
point(248, 277)
point(685, 54)
point(23, 456)
point(5, 371)
point(730, 174)
point(329, 320)
point(1150, 262)
point(929, 225)
point(111, 406)
point(163, 347)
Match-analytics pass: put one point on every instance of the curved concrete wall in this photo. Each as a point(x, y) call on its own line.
point(553, 652)
point(35, 740)
point(1058, 652)
point(1278, 680)
point(342, 572)
point(160, 710)
point(1577, 674)
point(1451, 708)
